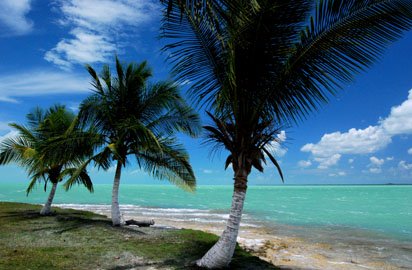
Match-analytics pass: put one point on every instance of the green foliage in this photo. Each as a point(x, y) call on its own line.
point(261, 61)
point(31, 241)
point(42, 147)
point(135, 118)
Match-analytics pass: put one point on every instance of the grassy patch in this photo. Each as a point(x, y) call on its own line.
point(73, 239)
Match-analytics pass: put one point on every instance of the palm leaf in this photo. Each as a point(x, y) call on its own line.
point(344, 38)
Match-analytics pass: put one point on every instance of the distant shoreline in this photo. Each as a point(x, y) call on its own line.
point(230, 185)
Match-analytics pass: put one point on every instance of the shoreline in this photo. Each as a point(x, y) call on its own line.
point(285, 251)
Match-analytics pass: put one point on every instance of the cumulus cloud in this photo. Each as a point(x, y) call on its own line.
point(376, 161)
point(13, 17)
point(404, 165)
point(363, 141)
point(354, 141)
point(375, 170)
point(326, 162)
point(399, 120)
point(276, 148)
point(97, 26)
point(375, 165)
point(304, 163)
point(341, 173)
point(37, 82)
point(410, 151)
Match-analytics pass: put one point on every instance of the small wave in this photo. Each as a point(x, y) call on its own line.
point(191, 214)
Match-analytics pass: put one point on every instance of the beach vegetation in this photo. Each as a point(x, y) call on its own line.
point(260, 66)
point(30, 148)
point(139, 119)
point(73, 239)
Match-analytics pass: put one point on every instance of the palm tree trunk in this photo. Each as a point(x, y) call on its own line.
point(115, 196)
point(46, 210)
point(221, 253)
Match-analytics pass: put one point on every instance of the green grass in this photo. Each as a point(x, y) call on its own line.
point(73, 239)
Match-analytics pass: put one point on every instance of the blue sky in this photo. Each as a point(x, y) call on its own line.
point(362, 136)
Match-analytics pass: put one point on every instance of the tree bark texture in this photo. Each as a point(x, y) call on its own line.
point(221, 253)
point(116, 218)
point(46, 210)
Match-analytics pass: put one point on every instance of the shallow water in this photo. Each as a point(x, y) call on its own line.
point(326, 247)
point(353, 225)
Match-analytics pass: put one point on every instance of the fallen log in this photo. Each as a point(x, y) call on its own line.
point(143, 223)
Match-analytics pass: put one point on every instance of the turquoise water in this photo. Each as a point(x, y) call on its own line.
point(382, 210)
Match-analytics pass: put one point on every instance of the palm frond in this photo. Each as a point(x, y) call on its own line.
point(343, 38)
point(77, 176)
point(31, 186)
point(24, 131)
point(171, 164)
point(198, 52)
point(274, 161)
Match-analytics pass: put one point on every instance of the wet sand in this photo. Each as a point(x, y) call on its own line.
point(274, 245)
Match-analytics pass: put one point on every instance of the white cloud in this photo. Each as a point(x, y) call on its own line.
point(13, 19)
point(38, 82)
point(276, 148)
point(326, 162)
point(405, 166)
point(375, 165)
point(207, 171)
point(390, 158)
point(304, 163)
point(364, 141)
point(375, 170)
point(376, 161)
point(341, 173)
point(355, 141)
point(399, 120)
point(84, 47)
point(410, 151)
point(351, 160)
point(98, 27)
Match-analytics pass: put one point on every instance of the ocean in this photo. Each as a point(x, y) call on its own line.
point(365, 220)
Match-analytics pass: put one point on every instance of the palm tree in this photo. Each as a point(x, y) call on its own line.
point(139, 119)
point(30, 149)
point(261, 64)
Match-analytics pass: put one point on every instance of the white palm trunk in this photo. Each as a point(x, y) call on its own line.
point(221, 253)
point(46, 210)
point(116, 218)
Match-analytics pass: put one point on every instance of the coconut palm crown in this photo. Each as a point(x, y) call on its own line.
point(30, 149)
point(140, 120)
point(261, 64)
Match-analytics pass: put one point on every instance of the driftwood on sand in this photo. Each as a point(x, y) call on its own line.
point(142, 223)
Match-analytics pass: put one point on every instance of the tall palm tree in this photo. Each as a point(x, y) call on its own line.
point(139, 119)
point(261, 64)
point(30, 149)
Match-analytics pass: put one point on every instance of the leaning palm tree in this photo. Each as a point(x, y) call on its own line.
point(30, 149)
point(261, 64)
point(139, 119)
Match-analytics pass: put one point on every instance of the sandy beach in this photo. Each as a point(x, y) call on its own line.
point(275, 246)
